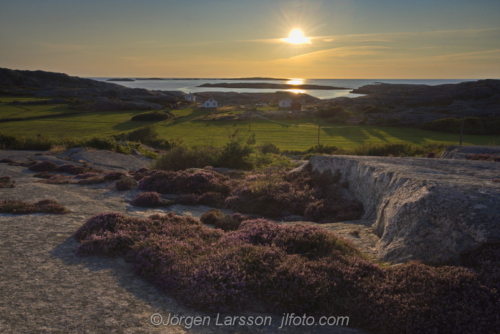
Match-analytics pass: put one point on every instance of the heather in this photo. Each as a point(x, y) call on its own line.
point(298, 268)
point(224, 222)
point(198, 182)
point(20, 207)
point(149, 199)
point(71, 169)
point(416, 298)
point(44, 166)
point(125, 183)
point(314, 195)
point(6, 182)
point(311, 194)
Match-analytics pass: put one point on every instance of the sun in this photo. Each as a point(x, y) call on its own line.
point(296, 36)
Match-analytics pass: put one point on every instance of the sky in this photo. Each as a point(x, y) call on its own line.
point(343, 39)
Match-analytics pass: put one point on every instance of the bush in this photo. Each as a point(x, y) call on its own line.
point(416, 298)
point(148, 199)
point(125, 183)
point(92, 180)
point(330, 112)
point(268, 148)
point(6, 182)
point(44, 166)
point(113, 176)
point(142, 134)
point(198, 182)
point(70, 169)
point(184, 157)
point(472, 125)
point(300, 269)
point(43, 206)
point(211, 216)
point(151, 116)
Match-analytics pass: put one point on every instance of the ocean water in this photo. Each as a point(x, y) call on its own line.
point(190, 85)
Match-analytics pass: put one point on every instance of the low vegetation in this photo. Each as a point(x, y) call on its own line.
point(310, 194)
point(297, 268)
point(472, 125)
point(20, 207)
point(152, 116)
point(6, 182)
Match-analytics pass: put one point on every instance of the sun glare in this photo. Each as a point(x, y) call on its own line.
point(296, 36)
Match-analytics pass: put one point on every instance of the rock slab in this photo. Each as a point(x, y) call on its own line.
point(424, 209)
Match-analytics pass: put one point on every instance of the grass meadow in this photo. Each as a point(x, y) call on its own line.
point(286, 134)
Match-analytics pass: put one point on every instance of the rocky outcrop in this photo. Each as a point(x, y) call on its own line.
point(418, 104)
point(424, 209)
point(463, 152)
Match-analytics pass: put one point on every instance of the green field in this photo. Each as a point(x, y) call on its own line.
point(286, 134)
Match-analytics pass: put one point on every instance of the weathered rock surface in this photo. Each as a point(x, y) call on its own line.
point(462, 152)
point(426, 209)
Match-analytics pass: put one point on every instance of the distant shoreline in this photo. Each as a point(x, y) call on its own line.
point(263, 85)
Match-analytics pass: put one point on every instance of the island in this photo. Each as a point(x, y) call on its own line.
point(120, 79)
point(264, 85)
point(149, 79)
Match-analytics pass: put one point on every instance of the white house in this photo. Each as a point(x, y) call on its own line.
point(286, 102)
point(190, 97)
point(209, 103)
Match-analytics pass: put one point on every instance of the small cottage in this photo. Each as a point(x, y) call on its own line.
point(209, 103)
point(286, 102)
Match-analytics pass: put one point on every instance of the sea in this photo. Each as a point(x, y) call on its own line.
point(190, 85)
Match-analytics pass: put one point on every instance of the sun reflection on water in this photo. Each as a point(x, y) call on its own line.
point(295, 81)
point(296, 91)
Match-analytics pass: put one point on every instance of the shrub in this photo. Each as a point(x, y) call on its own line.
point(57, 179)
point(100, 143)
point(305, 240)
point(43, 175)
point(148, 199)
point(183, 157)
point(416, 298)
point(70, 169)
point(43, 206)
point(151, 116)
point(113, 176)
point(87, 175)
point(92, 180)
point(228, 223)
point(44, 166)
point(330, 112)
point(211, 216)
point(324, 286)
point(125, 183)
point(472, 125)
point(211, 198)
point(268, 148)
point(6, 182)
point(144, 134)
point(198, 182)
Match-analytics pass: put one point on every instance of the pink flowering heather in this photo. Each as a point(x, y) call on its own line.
point(44, 166)
point(43, 206)
point(70, 169)
point(149, 199)
point(6, 182)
